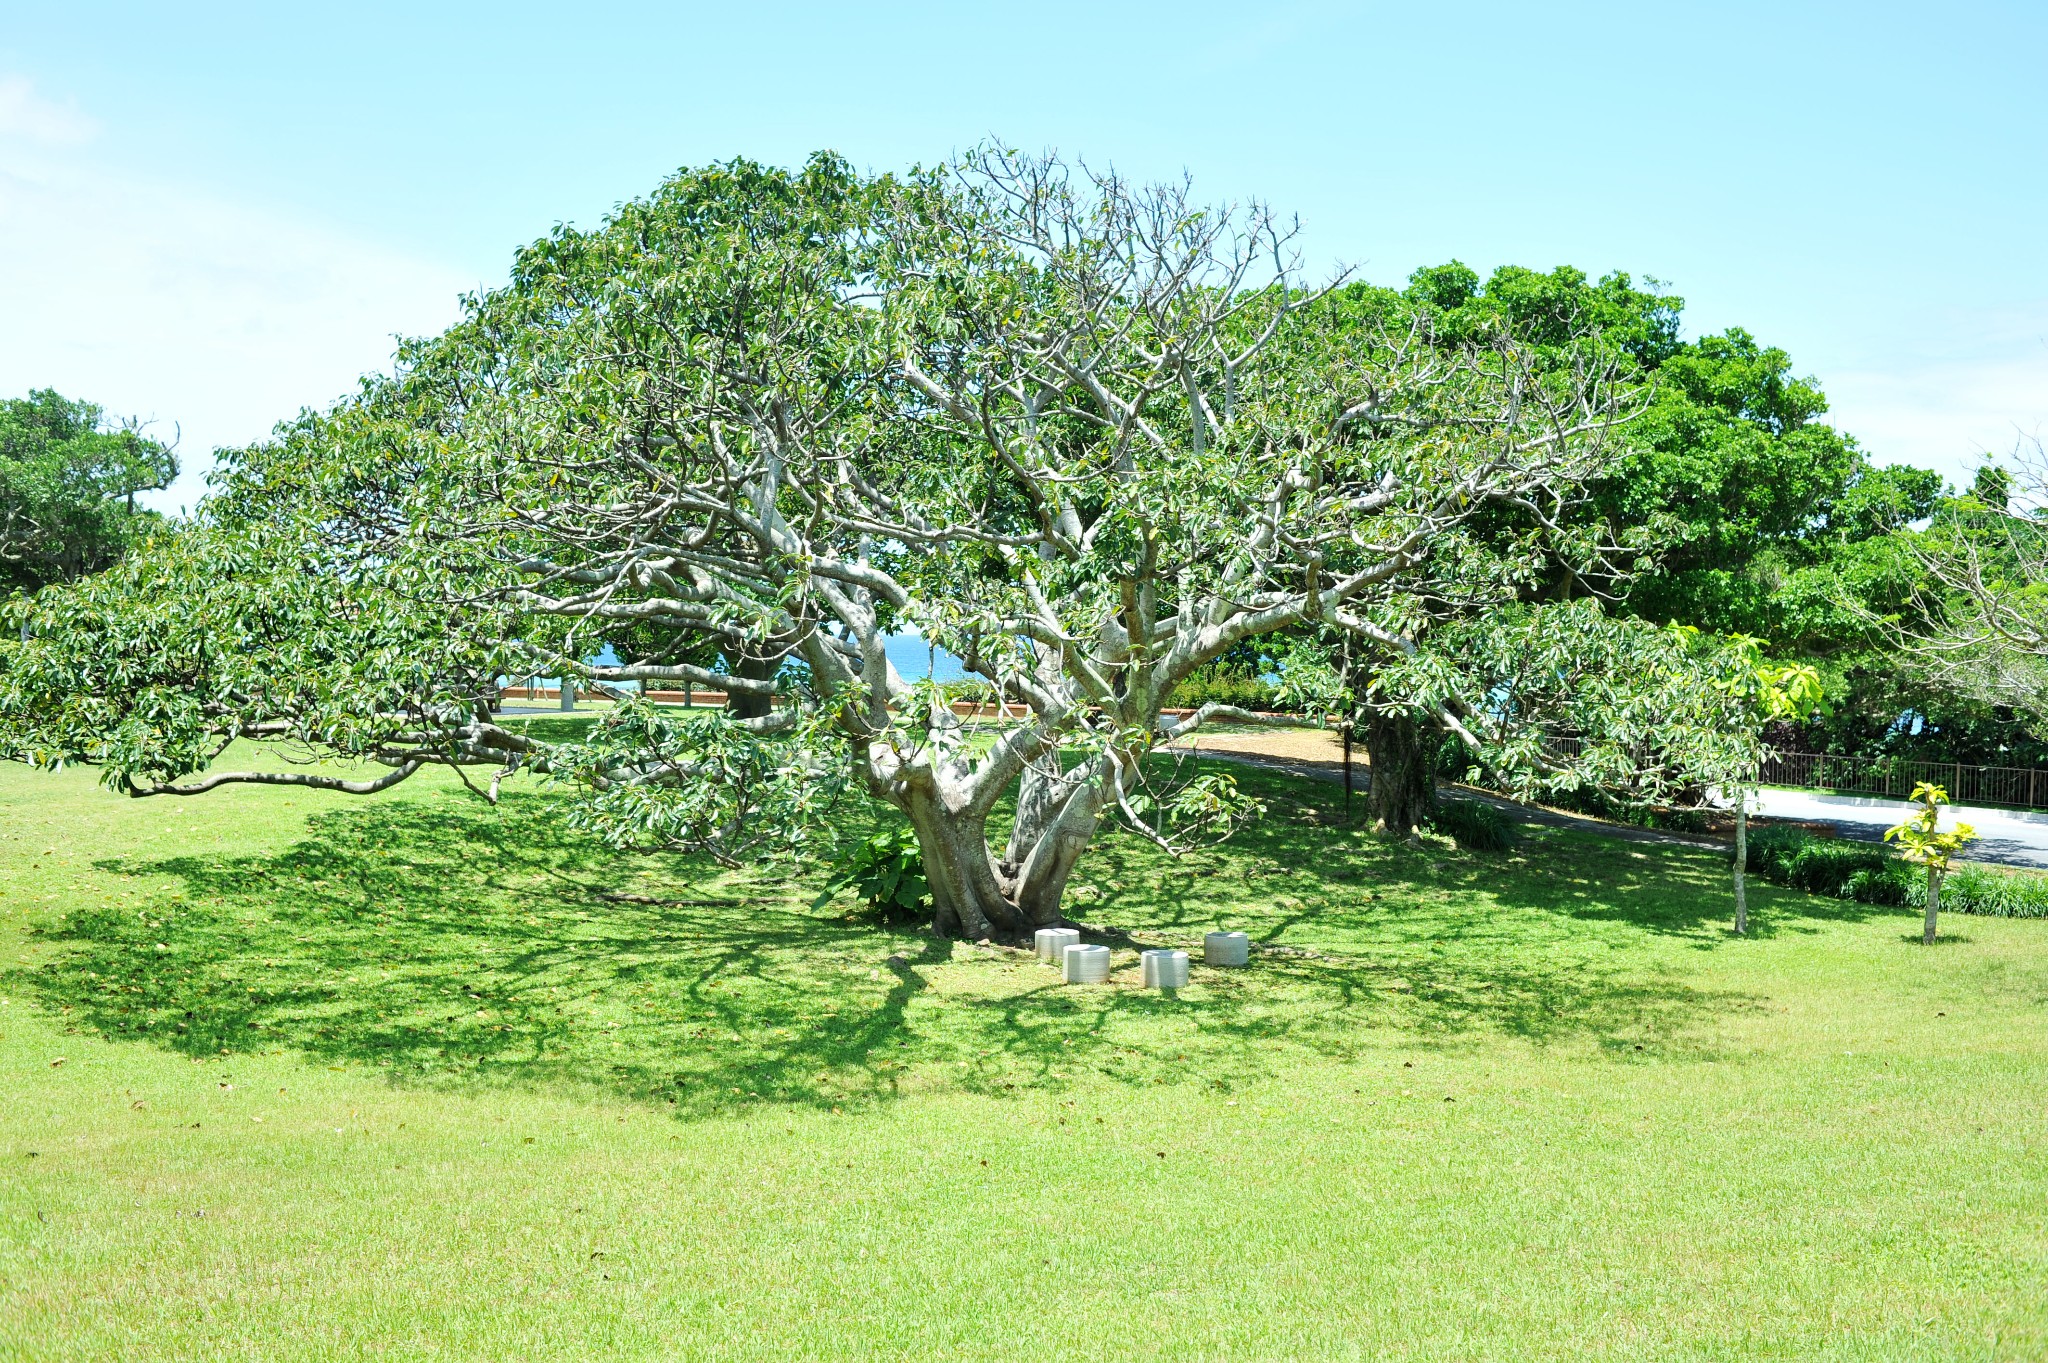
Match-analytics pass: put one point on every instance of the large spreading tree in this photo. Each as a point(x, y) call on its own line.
point(1733, 508)
point(1088, 436)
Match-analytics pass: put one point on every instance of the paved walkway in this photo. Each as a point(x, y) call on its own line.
point(2009, 837)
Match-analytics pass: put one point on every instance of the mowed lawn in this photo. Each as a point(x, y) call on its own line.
point(291, 1076)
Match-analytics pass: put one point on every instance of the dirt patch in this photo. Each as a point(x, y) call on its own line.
point(1298, 745)
point(1308, 752)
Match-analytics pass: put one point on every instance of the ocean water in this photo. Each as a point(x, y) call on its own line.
point(915, 659)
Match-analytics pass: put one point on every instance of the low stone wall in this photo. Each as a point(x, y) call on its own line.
point(548, 695)
point(985, 709)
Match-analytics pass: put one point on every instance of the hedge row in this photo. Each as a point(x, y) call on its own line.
point(1871, 873)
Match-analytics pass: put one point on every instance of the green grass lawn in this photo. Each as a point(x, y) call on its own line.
point(413, 1077)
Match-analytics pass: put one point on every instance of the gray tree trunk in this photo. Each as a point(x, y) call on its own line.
point(1402, 754)
point(1057, 816)
point(746, 705)
point(967, 900)
point(1741, 863)
point(976, 895)
point(1933, 906)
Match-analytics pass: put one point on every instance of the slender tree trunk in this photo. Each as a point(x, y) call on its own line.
point(1741, 862)
point(1933, 906)
point(1402, 754)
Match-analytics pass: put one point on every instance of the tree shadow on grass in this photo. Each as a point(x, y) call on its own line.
point(452, 945)
point(455, 944)
point(1666, 889)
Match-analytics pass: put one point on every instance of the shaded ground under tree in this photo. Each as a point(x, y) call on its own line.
point(455, 945)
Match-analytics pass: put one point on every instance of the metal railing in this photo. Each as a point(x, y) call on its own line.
point(1966, 784)
point(2025, 787)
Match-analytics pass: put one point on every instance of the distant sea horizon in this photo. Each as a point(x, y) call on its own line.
point(915, 659)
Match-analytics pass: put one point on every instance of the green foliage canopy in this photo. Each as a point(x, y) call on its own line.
point(1086, 435)
point(68, 478)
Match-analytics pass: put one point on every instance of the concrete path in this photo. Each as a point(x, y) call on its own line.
point(2008, 837)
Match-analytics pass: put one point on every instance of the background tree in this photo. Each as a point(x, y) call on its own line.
point(1977, 625)
point(68, 479)
point(1731, 508)
point(1576, 699)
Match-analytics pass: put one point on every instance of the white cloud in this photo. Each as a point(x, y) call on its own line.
point(27, 116)
point(1952, 389)
point(184, 307)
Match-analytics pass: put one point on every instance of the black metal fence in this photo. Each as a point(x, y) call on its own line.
point(2026, 787)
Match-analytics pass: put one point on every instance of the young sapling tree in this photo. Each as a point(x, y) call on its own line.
point(1922, 842)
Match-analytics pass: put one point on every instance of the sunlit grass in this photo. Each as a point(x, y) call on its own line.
point(416, 1075)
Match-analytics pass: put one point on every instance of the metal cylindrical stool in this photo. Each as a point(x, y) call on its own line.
point(1164, 969)
point(1053, 942)
point(1226, 948)
point(1087, 965)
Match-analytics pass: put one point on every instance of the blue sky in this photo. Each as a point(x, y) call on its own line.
point(213, 214)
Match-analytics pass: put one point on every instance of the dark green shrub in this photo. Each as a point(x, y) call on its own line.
point(1476, 826)
point(1827, 866)
point(1890, 884)
point(1771, 846)
point(1865, 872)
point(1995, 894)
point(1664, 818)
point(1870, 873)
point(887, 872)
point(1673, 820)
point(1224, 687)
